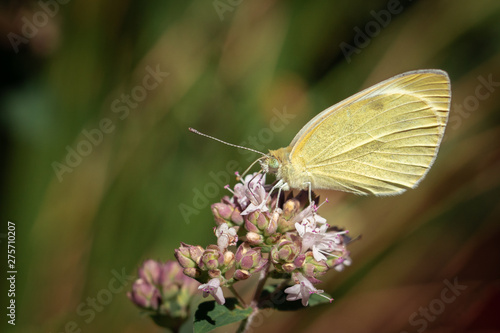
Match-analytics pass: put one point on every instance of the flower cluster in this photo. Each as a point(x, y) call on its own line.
point(257, 231)
point(164, 291)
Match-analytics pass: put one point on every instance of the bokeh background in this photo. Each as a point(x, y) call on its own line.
point(228, 68)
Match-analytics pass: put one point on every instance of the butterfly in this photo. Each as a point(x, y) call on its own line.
point(381, 141)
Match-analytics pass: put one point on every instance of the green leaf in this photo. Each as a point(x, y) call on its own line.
point(274, 298)
point(211, 315)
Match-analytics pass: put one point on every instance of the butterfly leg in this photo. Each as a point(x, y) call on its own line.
point(278, 197)
point(310, 190)
point(280, 185)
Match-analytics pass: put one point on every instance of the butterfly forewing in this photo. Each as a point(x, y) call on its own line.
point(382, 140)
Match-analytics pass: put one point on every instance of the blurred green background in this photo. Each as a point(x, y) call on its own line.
point(228, 68)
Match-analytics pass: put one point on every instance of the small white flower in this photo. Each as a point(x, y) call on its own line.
point(315, 236)
point(213, 288)
point(309, 221)
point(320, 243)
point(303, 290)
point(226, 236)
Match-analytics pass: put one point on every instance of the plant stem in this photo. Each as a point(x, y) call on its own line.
point(240, 299)
point(260, 286)
point(245, 324)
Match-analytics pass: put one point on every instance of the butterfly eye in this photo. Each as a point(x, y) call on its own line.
point(274, 163)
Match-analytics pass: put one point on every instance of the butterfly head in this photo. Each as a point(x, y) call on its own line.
point(270, 164)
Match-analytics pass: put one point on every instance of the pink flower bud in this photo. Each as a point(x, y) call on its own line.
point(254, 238)
point(257, 221)
point(188, 255)
point(214, 273)
point(313, 268)
point(212, 258)
point(285, 253)
point(150, 271)
point(273, 224)
point(290, 208)
point(144, 295)
point(228, 258)
point(241, 274)
point(288, 267)
point(222, 212)
point(249, 259)
point(227, 212)
point(192, 272)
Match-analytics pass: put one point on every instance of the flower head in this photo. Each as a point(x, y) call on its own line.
point(163, 289)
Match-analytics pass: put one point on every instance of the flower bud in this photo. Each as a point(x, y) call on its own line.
point(290, 208)
point(257, 221)
point(225, 212)
point(211, 258)
point(254, 238)
point(273, 223)
point(228, 259)
point(241, 274)
point(287, 251)
point(288, 267)
point(192, 272)
point(144, 295)
point(188, 255)
point(164, 290)
point(170, 272)
point(214, 273)
point(313, 268)
point(249, 259)
point(150, 271)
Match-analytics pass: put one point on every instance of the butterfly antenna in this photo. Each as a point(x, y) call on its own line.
point(224, 142)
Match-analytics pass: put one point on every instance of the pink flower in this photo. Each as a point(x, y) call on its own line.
point(303, 290)
point(256, 194)
point(315, 236)
point(213, 288)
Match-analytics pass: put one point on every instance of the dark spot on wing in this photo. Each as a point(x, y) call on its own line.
point(378, 105)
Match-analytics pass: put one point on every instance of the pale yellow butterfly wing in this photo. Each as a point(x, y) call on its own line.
point(380, 141)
